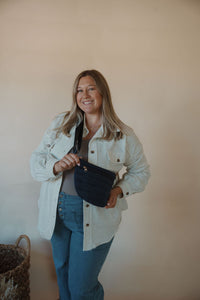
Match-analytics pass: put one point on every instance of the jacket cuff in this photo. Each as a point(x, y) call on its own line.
point(125, 189)
point(49, 168)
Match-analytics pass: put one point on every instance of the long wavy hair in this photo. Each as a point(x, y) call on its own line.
point(113, 127)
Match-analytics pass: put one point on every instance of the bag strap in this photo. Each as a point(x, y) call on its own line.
point(77, 139)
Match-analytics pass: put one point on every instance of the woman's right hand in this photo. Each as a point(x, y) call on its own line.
point(68, 162)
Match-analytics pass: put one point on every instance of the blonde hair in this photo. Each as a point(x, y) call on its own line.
point(111, 121)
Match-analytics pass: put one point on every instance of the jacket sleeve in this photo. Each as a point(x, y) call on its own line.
point(42, 161)
point(137, 172)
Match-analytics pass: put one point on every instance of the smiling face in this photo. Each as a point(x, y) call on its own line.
point(88, 96)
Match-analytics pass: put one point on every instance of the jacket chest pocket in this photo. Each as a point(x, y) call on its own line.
point(116, 160)
point(61, 147)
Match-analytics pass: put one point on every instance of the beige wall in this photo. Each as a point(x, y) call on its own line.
point(149, 52)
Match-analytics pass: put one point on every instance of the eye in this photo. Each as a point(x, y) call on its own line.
point(91, 89)
point(79, 91)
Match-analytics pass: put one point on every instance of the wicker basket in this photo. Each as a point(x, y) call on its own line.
point(14, 271)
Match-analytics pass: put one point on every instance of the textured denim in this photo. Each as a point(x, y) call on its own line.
point(77, 270)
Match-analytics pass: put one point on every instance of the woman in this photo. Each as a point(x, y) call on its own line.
point(81, 233)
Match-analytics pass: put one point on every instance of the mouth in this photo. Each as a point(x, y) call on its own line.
point(87, 102)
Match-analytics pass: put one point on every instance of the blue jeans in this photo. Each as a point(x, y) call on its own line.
point(77, 270)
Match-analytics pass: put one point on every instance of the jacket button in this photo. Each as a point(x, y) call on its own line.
point(87, 205)
point(60, 209)
point(92, 151)
point(127, 193)
point(87, 225)
point(118, 160)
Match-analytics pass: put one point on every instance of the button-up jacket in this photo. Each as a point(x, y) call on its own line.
point(100, 224)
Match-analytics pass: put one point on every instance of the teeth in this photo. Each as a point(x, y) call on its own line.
point(87, 102)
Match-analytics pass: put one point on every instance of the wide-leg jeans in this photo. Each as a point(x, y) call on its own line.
point(77, 270)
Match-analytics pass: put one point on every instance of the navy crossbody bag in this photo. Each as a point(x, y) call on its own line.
point(93, 184)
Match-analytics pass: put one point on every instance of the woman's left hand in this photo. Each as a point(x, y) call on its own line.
point(114, 193)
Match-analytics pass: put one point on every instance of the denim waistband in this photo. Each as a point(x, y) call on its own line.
point(70, 198)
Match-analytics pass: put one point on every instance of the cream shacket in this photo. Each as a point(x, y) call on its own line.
point(102, 223)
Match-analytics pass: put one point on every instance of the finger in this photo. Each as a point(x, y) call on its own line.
point(76, 158)
point(111, 202)
point(70, 159)
point(67, 164)
point(73, 158)
point(64, 165)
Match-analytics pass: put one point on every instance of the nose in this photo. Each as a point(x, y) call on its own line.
point(85, 94)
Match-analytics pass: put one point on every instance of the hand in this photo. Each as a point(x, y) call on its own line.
point(114, 193)
point(68, 162)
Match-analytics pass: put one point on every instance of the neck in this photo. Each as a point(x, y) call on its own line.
point(93, 121)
